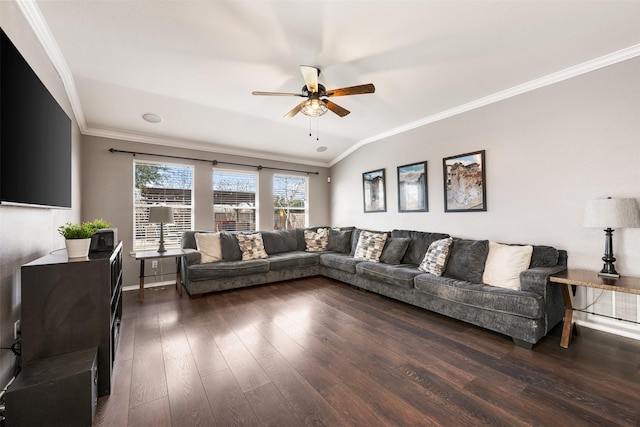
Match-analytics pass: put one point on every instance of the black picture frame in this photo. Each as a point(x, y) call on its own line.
point(465, 182)
point(373, 191)
point(412, 188)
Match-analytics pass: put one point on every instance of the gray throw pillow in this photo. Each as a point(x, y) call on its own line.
point(466, 260)
point(230, 248)
point(339, 241)
point(394, 250)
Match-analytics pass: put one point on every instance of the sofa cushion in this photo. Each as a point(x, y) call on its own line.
point(398, 275)
point(394, 250)
point(504, 265)
point(544, 256)
point(227, 269)
point(467, 259)
point(316, 241)
point(525, 304)
point(252, 246)
point(279, 241)
point(230, 248)
point(435, 260)
point(370, 246)
point(419, 244)
point(342, 262)
point(293, 259)
point(208, 244)
point(339, 241)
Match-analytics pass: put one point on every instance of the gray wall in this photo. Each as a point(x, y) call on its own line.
point(28, 233)
point(547, 152)
point(108, 191)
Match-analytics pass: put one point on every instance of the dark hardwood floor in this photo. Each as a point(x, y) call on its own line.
point(318, 352)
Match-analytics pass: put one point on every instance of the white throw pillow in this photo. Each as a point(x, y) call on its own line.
point(252, 246)
point(370, 246)
point(504, 265)
point(435, 260)
point(208, 244)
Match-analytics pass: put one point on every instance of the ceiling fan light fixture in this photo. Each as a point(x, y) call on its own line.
point(313, 107)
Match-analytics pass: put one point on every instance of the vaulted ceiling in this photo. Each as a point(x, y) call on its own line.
point(195, 64)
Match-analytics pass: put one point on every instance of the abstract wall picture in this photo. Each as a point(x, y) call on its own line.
point(465, 183)
point(412, 188)
point(374, 191)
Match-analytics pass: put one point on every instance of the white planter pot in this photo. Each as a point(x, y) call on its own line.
point(77, 248)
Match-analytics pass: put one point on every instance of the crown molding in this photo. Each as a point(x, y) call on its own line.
point(549, 79)
point(33, 16)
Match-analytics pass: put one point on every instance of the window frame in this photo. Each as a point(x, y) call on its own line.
point(256, 195)
point(276, 219)
point(171, 242)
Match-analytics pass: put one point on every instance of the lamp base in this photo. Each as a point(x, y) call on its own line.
point(161, 248)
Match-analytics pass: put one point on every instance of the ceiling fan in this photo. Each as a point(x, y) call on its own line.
point(317, 103)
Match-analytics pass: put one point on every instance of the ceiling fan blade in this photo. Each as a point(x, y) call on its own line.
point(294, 111)
point(352, 90)
point(310, 76)
point(336, 108)
point(255, 92)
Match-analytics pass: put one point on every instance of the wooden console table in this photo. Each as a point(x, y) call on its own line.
point(589, 279)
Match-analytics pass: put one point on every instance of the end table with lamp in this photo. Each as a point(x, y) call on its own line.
point(160, 215)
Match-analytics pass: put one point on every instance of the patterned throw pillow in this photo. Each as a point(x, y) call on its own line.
point(316, 240)
point(435, 260)
point(252, 246)
point(209, 246)
point(370, 246)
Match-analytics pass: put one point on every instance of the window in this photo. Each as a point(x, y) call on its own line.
point(234, 200)
point(161, 184)
point(290, 202)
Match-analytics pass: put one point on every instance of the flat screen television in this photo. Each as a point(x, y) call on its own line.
point(35, 136)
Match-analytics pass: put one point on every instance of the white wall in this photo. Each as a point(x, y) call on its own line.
point(108, 190)
point(547, 152)
point(28, 233)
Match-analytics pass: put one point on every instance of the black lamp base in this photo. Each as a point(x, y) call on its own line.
point(608, 270)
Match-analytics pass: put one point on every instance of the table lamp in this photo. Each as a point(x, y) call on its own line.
point(611, 213)
point(161, 215)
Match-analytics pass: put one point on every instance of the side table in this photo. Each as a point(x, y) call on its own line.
point(589, 279)
point(142, 256)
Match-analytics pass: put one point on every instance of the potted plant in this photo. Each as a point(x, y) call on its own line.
point(78, 236)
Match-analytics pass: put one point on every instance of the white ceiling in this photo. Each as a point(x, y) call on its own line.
point(195, 64)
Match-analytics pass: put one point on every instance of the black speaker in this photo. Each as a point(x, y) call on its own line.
point(104, 240)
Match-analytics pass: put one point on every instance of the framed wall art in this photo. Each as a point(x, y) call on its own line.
point(373, 187)
point(412, 188)
point(465, 183)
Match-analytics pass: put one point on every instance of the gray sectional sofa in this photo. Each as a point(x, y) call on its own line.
point(526, 314)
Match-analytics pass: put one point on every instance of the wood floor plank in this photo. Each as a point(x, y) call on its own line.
point(187, 397)
point(155, 413)
point(227, 401)
point(317, 352)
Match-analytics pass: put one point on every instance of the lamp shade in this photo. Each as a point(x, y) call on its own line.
point(612, 213)
point(161, 215)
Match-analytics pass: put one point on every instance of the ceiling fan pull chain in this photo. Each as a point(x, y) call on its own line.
point(309, 126)
point(317, 129)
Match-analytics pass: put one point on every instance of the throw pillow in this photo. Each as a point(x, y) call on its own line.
point(504, 265)
point(209, 246)
point(316, 240)
point(252, 246)
point(394, 250)
point(339, 241)
point(467, 259)
point(435, 260)
point(370, 246)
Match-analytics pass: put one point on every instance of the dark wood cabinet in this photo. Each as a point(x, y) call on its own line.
point(73, 304)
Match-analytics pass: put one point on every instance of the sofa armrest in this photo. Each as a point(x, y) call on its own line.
point(536, 279)
point(193, 257)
